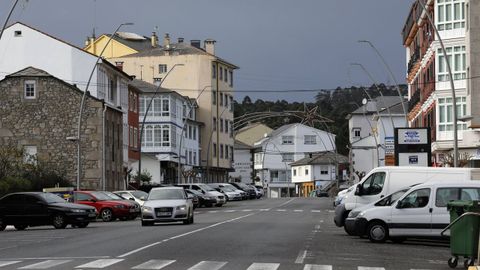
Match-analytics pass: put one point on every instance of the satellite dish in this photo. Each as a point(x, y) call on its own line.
point(364, 101)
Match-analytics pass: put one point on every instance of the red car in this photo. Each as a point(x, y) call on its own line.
point(108, 208)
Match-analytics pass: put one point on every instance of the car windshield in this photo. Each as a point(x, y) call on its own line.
point(166, 194)
point(52, 198)
point(139, 194)
point(101, 196)
point(207, 188)
point(227, 189)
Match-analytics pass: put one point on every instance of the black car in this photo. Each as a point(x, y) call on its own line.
point(38, 208)
point(252, 194)
point(203, 200)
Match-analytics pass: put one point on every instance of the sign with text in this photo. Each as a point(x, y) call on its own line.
point(412, 136)
point(412, 147)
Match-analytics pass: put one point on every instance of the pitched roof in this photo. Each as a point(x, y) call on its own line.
point(240, 145)
point(146, 87)
point(30, 71)
point(132, 40)
point(321, 158)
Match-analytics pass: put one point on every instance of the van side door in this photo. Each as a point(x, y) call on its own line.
point(411, 215)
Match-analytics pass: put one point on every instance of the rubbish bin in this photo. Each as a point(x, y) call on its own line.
point(463, 232)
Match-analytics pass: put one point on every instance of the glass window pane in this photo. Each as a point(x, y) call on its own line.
point(448, 12)
point(441, 13)
point(456, 11)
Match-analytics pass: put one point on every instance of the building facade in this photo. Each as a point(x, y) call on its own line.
point(430, 93)
point(39, 114)
point(285, 145)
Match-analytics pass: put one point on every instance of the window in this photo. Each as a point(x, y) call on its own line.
point(287, 139)
point(30, 154)
point(214, 97)
point(130, 137)
point(157, 136)
point(221, 99)
point(162, 68)
point(416, 199)
point(226, 125)
point(231, 78)
point(194, 133)
point(194, 158)
point(160, 106)
point(374, 184)
point(214, 123)
point(445, 112)
point(135, 98)
point(226, 152)
point(306, 171)
point(166, 135)
point(214, 150)
point(226, 101)
point(231, 153)
point(165, 106)
point(470, 194)
point(214, 71)
point(310, 139)
point(225, 75)
point(112, 90)
point(287, 157)
point(458, 66)
point(135, 137)
point(450, 14)
point(294, 172)
point(221, 150)
point(324, 170)
point(231, 129)
point(83, 197)
point(220, 74)
point(356, 132)
point(221, 124)
point(444, 195)
point(30, 92)
point(17, 33)
point(231, 103)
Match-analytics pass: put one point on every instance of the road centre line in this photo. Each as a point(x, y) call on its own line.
point(182, 235)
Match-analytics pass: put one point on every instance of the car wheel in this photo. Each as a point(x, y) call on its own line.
point(189, 220)
point(20, 227)
point(106, 214)
point(2, 224)
point(377, 232)
point(59, 221)
point(146, 223)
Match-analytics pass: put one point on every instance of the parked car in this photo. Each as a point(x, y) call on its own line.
point(231, 193)
point(420, 212)
point(203, 199)
point(133, 195)
point(108, 209)
point(136, 206)
point(261, 190)
point(252, 194)
point(258, 194)
point(341, 195)
point(28, 209)
point(207, 190)
point(167, 204)
point(195, 198)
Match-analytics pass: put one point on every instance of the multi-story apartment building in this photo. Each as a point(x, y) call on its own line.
point(430, 93)
point(289, 143)
point(68, 63)
point(163, 138)
point(202, 76)
point(39, 113)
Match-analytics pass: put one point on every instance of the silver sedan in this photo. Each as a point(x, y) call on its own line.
point(167, 204)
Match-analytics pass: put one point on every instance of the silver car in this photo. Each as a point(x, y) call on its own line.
point(167, 204)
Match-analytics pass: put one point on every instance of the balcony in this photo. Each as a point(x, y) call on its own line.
point(413, 60)
point(412, 19)
point(414, 100)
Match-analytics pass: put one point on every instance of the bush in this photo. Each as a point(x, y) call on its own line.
point(11, 184)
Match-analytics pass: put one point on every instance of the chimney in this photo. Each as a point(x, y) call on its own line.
point(180, 40)
point(209, 46)
point(154, 40)
point(87, 41)
point(166, 41)
point(195, 43)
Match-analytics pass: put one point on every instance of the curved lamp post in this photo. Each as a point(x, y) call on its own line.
point(391, 76)
point(183, 130)
point(82, 104)
point(452, 85)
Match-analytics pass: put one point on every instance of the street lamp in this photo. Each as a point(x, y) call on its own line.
point(8, 18)
point(391, 76)
point(452, 85)
point(145, 117)
point(183, 130)
point(82, 103)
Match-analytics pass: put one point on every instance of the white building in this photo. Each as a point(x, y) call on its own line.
point(163, 139)
point(22, 46)
point(371, 136)
point(289, 143)
point(317, 171)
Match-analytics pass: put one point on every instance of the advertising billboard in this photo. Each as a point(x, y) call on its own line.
point(413, 147)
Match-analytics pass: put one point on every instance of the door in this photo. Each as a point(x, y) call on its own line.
point(13, 206)
point(411, 216)
point(36, 210)
point(371, 188)
point(440, 214)
point(86, 199)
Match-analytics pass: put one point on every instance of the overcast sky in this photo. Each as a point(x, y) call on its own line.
point(278, 44)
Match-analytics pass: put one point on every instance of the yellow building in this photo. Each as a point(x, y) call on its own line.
point(198, 73)
point(122, 43)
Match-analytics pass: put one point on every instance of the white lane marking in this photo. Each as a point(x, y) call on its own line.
point(301, 256)
point(230, 211)
point(207, 265)
point(247, 210)
point(265, 209)
point(60, 258)
point(316, 211)
point(370, 268)
point(196, 212)
point(182, 235)
point(263, 266)
point(213, 211)
point(287, 202)
point(154, 264)
point(281, 210)
point(102, 263)
point(317, 267)
point(45, 264)
point(5, 263)
point(317, 227)
point(331, 211)
point(297, 210)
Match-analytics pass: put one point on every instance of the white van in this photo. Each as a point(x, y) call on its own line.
point(382, 181)
point(420, 212)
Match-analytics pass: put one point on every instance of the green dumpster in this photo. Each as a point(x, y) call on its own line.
point(463, 232)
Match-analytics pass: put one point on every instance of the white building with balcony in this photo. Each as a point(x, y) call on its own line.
point(287, 144)
point(163, 140)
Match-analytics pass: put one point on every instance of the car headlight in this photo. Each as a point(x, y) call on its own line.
point(182, 207)
point(78, 211)
point(121, 206)
point(353, 214)
point(147, 209)
point(361, 214)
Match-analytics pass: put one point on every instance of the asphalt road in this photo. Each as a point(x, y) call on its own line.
point(262, 234)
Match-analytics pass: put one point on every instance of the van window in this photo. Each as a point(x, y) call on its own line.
point(417, 199)
point(374, 184)
point(470, 194)
point(444, 195)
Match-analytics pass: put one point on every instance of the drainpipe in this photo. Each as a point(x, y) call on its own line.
point(103, 146)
